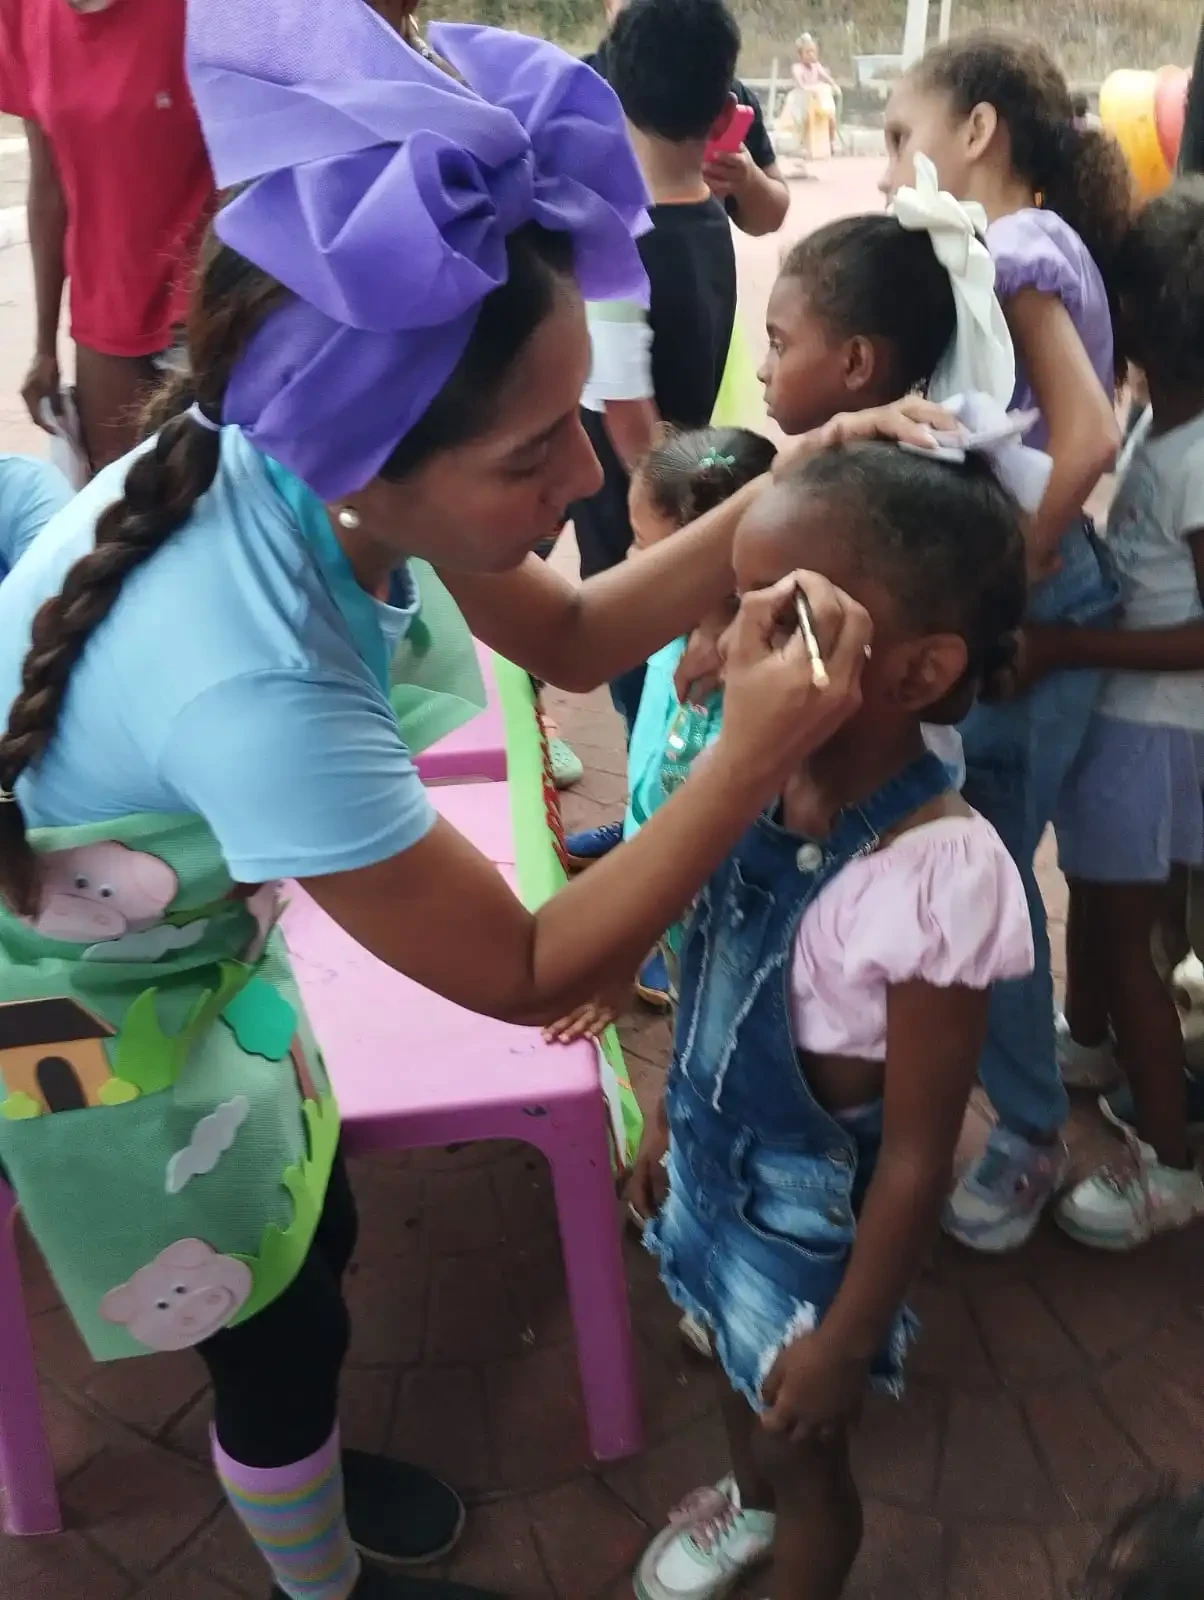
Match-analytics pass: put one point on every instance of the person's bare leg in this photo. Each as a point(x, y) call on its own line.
point(1172, 943)
point(1149, 1038)
point(819, 1519)
point(741, 1424)
point(1086, 987)
point(110, 392)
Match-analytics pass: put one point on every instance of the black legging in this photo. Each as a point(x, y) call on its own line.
point(276, 1377)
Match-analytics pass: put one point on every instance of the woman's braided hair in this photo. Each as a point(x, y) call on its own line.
point(164, 482)
point(162, 486)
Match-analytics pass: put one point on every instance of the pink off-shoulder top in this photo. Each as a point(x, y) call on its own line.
point(943, 903)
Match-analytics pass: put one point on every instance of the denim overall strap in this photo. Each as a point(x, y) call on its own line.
point(735, 1057)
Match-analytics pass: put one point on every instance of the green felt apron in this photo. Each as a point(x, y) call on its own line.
point(165, 1116)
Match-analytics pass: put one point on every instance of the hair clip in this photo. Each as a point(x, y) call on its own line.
point(713, 459)
point(202, 418)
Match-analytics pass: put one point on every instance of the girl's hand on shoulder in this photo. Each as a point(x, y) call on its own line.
point(912, 420)
point(774, 714)
point(814, 1391)
point(587, 1021)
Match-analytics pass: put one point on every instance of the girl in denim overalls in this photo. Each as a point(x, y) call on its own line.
point(994, 114)
point(833, 1004)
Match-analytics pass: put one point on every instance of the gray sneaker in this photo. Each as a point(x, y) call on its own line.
point(999, 1199)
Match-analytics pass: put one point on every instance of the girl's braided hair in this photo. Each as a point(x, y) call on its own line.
point(164, 482)
point(944, 538)
point(690, 473)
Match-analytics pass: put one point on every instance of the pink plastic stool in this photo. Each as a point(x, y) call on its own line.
point(475, 753)
point(411, 1069)
point(26, 1470)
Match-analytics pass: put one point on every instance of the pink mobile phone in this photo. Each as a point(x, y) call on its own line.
point(733, 134)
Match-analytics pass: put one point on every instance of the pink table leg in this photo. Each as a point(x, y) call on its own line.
point(578, 1152)
point(31, 1502)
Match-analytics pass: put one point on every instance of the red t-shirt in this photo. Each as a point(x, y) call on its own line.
point(109, 91)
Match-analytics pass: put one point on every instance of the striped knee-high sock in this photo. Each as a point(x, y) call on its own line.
point(295, 1516)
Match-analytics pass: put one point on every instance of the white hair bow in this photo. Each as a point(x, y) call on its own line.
point(985, 428)
point(980, 357)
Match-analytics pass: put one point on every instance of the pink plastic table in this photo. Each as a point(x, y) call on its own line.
point(411, 1069)
point(475, 753)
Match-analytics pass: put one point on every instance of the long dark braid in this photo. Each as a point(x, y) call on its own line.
point(161, 489)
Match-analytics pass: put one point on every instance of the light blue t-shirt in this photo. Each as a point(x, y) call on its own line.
point(30, 494)
point(226, 682)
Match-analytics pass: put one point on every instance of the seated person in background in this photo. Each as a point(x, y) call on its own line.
point(747, 181)
point(816, 92)
point(30, 494)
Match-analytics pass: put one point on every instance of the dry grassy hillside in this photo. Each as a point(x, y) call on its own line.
point(1090, 36)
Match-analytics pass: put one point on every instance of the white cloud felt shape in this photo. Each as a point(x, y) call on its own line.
point(211, 1138)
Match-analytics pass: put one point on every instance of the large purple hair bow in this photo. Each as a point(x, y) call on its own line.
point(381, 193)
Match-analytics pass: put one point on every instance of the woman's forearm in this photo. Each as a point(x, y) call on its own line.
point(47, 214)
point(465, 935)
point(602, 925)
point(580, 636)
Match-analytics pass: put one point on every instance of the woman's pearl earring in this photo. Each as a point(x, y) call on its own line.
point(348, 517)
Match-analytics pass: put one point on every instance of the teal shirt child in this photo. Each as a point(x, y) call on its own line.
point(665, 739)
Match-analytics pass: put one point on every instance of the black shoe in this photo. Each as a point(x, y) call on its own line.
point(400, 1515)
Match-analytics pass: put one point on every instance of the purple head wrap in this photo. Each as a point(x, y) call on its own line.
point(381, 193)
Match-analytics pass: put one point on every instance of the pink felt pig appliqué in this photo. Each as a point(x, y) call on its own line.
point(180, 1298)
point(102, 891)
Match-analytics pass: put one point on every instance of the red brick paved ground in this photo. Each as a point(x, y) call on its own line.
point(1047, 1389)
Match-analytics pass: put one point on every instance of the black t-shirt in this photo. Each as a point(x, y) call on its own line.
point(691, 266)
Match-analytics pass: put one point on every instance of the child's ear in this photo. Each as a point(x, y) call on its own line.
point(932, 668)
point(859, 363)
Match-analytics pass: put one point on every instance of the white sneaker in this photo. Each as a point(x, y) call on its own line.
point(1084, 1066)
point(998, 1200)
point(1111, 1211)
point(711, 1541)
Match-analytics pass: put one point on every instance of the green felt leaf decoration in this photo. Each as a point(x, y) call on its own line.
point(150, 1059)
point(262, 1020)
point(282, 1250)
point(19, 1107)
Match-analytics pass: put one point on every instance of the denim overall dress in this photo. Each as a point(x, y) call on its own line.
point(764, 1185)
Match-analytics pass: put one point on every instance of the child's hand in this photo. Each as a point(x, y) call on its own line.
point(649, 1182)
point(586, 1021)
point(698, 670)
point(908, 421)
point(813, 1391)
